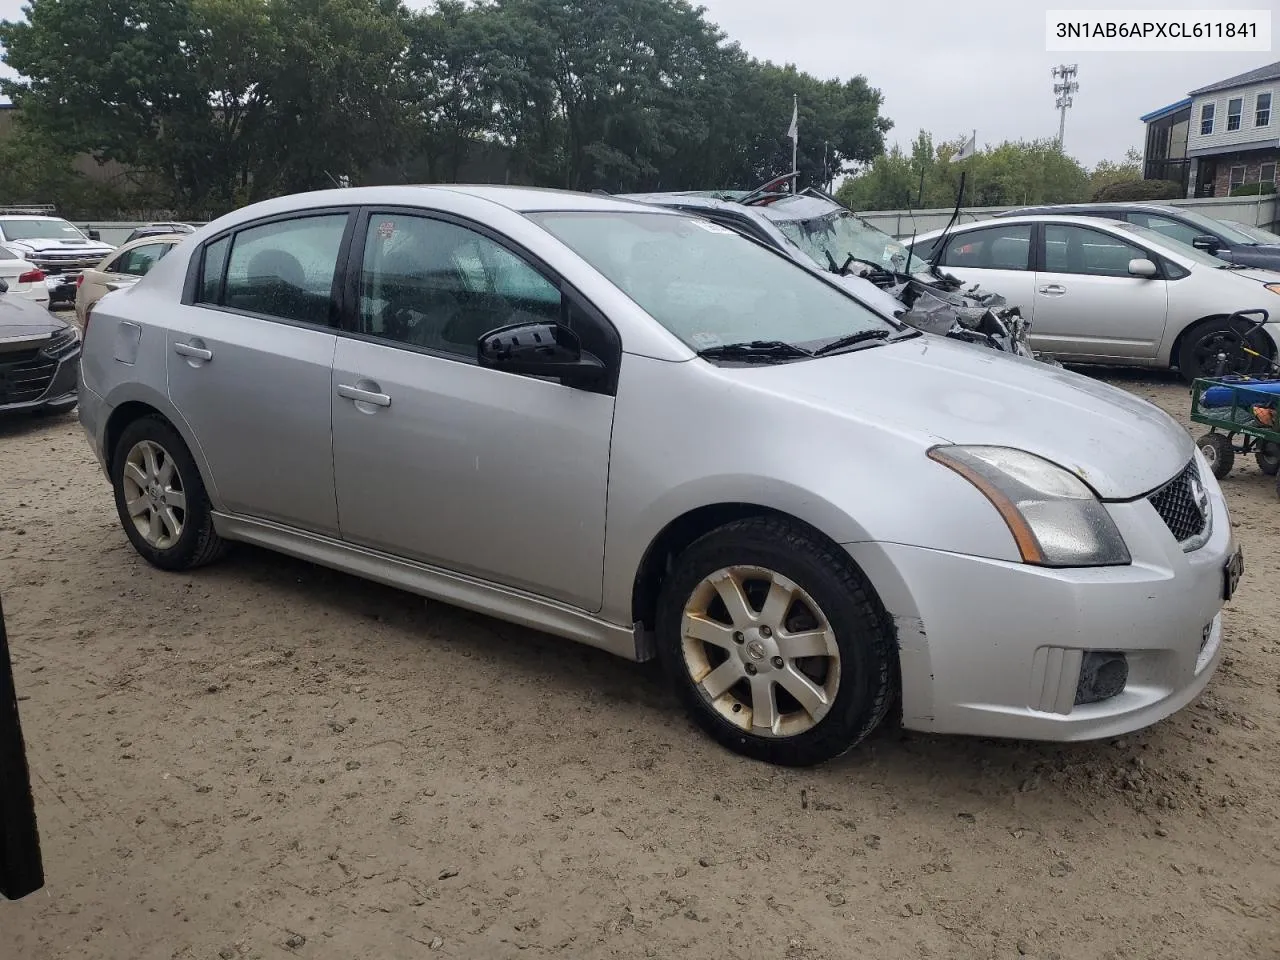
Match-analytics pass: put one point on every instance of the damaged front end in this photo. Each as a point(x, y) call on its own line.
point(936, 302)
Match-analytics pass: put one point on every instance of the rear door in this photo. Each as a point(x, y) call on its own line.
point(998, 257)
point(250, 365)
point(1088, 305)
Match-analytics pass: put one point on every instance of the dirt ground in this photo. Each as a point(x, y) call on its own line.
point(266, 759)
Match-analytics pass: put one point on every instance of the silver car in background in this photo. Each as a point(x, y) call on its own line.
point(639, 430)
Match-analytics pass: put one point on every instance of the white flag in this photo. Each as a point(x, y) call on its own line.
point(794, 131)
point(969, 148)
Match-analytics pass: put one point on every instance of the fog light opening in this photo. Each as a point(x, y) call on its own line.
point(1103, 675)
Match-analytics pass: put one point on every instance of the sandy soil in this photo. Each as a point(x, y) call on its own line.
point(266, 759)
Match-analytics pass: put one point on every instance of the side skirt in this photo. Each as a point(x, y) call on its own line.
point(437, 584)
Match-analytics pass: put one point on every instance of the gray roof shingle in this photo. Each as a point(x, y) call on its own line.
point(1270, 72)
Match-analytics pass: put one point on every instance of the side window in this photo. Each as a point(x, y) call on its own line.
point(212, 270)
point(138, 261)
point(1071, 249)
point(991, 248)
point(1172, 229)
point(284, 269)
point(440, 286)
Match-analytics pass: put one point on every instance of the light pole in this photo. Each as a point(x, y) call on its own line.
point(1064, 86)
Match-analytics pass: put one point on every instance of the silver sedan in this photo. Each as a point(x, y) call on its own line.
point(641, 431)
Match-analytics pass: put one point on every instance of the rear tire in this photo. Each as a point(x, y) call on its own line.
point(1268, 458)
point(1217, 449)
point(798, 664)
point(161, 499)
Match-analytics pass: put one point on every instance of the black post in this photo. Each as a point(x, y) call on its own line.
point(21, 870)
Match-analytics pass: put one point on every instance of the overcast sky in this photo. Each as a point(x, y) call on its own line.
point(952, 67)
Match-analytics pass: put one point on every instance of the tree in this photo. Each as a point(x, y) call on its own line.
point(1108, 172)
point(220, 100)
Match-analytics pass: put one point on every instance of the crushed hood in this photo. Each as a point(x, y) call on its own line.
point(943, 391)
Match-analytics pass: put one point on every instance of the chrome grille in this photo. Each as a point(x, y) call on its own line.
point(1183, 504)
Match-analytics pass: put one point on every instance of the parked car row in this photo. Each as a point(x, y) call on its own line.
point(641, 429)
point(1116, 291)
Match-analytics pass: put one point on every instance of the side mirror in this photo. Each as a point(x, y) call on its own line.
point(540, 350)
point(94, 235)
point(1142, 267)
point(1206, 243)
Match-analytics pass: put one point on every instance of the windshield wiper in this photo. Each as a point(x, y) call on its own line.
point(755, 351)
point(851, 340)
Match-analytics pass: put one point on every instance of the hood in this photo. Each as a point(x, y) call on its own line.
point(873, 296)
point(23, 319)
point(944, 391)
point(1261, 274)
point(55, 245)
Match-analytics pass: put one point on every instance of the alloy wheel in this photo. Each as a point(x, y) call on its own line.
point(154, 494)
point(760, 651)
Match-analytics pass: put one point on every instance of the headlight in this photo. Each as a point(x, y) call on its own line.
point(1055, 519)
point(61, 343)
point(1273, 287)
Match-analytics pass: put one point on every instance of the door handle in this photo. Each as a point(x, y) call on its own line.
point(363, 396)
point(1053, 290)
point(192, 352)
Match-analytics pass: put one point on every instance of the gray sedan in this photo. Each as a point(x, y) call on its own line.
point(639, 430)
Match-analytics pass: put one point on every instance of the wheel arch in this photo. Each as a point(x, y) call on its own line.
point(683, 530)
point(135, 406)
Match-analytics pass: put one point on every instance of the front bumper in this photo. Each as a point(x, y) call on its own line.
point(62, 287)
point(31, 387)
point(993, 648)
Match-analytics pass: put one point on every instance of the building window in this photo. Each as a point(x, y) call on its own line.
point(1234, 109)
point(1206, 119)
point(1267, 173)
point(1262, 110)
point(1236, 177)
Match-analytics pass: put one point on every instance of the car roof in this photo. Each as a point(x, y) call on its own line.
point(526, 199)
point(31, 216)
point(1023, 218)
point(1065, 207)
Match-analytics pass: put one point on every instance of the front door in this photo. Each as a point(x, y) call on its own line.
point(494, 475)
point(1088, 305)
point(998, 258)
point(250, 368)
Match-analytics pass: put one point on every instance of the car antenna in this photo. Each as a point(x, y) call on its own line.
point(955, 214)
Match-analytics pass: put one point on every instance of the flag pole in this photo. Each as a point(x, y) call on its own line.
point(795, 140)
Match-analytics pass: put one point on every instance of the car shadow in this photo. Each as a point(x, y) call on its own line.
point(1090, 776)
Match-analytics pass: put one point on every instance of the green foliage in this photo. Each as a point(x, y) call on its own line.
point(1009, 174)
point(1253, 189)
point(1127, 190)
point(221, 102)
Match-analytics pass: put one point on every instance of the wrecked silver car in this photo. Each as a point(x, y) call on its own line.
point(813, 227)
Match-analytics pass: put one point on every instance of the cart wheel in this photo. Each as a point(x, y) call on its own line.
point(1268, 457)
point(1217, 449)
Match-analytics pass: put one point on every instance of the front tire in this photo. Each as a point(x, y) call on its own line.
point(1219, 452)
point(161, 499)
point(1198, 353)
point(776, 643)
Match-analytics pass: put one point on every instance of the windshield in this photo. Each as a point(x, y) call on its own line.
point(1256, 234)
point(1210, 225)
point(1177, 246)
point(707, 284)
point(842, 234)
point(39, 230)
